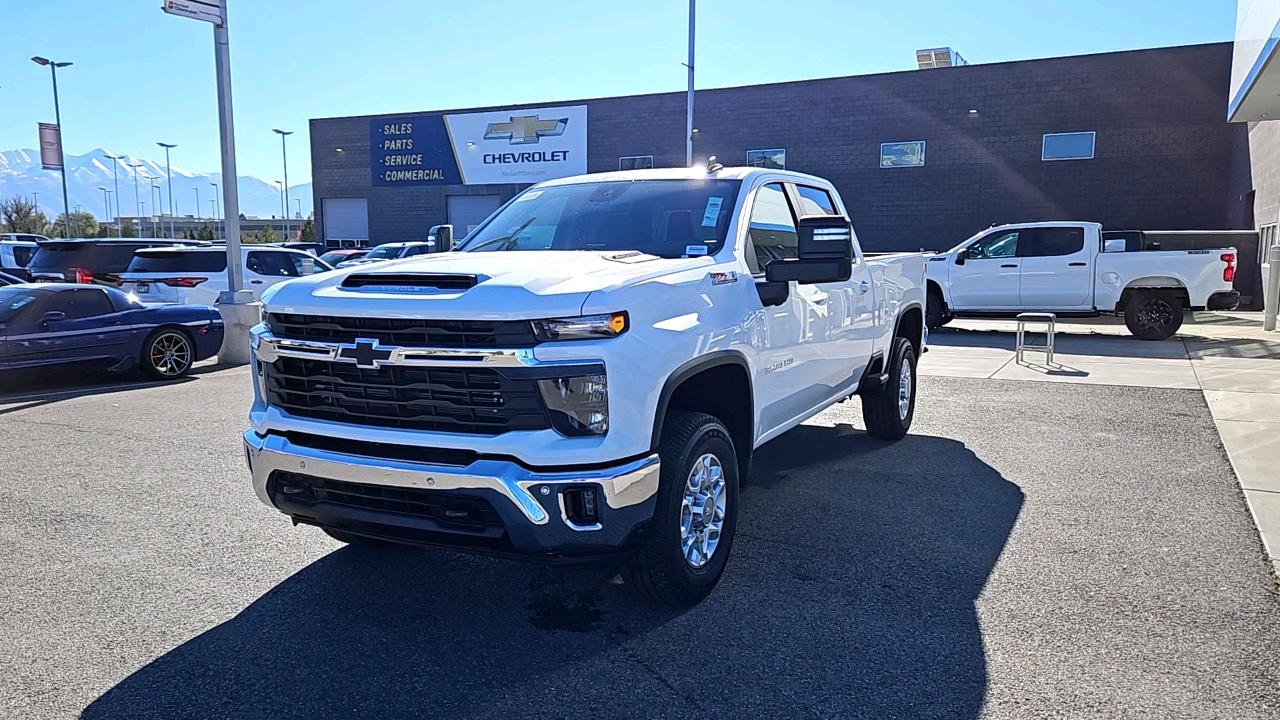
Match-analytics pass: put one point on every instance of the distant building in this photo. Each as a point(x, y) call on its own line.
point(159, 224)
point(924, 158)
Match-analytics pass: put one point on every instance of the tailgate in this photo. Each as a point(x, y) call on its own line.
point(147, 289)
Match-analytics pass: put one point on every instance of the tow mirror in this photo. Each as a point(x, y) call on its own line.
point(53, 316)
point(442, 236)
point(961, 255)
point(824, 249)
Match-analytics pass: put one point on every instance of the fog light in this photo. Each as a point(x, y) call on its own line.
point(581, 506)
point(578, 405)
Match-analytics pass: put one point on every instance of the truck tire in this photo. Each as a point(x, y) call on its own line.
point(888, 411)
point(682, 553)
point(1153, 314)
point(935, 309)
point(358, 540)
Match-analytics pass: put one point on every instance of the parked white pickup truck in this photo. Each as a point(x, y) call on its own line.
point(587, 374)
point(1067, 268)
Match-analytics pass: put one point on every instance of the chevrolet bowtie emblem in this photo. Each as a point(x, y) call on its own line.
point(365, 353)
point(525, 129)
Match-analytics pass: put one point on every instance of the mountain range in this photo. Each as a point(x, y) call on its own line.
point(22, 175)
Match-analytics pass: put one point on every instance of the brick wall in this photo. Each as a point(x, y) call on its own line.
point(1165, 157)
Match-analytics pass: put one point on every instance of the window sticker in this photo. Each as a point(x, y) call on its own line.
point(529, 196)
point(692, 250)
point(712, 213)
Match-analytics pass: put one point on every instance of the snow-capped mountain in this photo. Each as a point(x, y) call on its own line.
point(21, 174)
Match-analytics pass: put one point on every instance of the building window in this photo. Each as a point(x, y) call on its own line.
point(1266, 236)
point(902, 154)
point(1067, 146)
point(635, 162)
point(774, 159)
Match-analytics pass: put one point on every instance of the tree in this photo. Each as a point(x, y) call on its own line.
point(308, 231)
point(205, 232)
point(268, 235)
point(82, 223)
point(19, 215)
point(128, 230)
point(249, 239)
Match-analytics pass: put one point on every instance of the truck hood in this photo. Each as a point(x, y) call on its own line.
point(510, 285)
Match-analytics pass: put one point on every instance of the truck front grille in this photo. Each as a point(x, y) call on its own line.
point(446, 508)
point(463, 400)
point(507, 334)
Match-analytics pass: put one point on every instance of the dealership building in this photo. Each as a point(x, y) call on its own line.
point(923, 158)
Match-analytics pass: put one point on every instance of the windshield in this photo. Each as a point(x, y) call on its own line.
point(384, 252)
point(338, 256)
point(667, 218)
point(13, 299)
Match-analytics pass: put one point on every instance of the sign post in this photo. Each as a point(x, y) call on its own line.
point(237, 306)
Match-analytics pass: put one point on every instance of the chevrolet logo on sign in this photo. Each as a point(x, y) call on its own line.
point(525, 129)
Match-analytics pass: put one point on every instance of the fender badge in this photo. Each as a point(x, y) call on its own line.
point(723, 278)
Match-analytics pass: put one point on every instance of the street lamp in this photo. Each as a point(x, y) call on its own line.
point(156, 205)
point(217, 209)
point(285, 157)
point(168, 170)
point(106, 203)
point(136, 200)
point(57, 117)
point(197, 203)
point(115, 183)
point(284, 211)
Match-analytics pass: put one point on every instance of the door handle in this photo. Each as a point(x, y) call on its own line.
point(1077, 264)
point(820, 300)
point(255, 282)
point(1011, 265)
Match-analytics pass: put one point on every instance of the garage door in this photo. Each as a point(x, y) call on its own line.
point(345, 219)
point(468, 211)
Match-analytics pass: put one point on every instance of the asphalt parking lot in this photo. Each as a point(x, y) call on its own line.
point(1032, 549)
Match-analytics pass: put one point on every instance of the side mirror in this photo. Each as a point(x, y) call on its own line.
point(442, 236)
point(53, 316)
point(825, 249)
point(961, 255)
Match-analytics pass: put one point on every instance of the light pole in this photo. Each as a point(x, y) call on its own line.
point(57, 117)
point(284, 155)
point(284, 211)
point(115, 187)
point(297, 202)
point(168, 170)
point(106, 206)
point(197, 203)
point(136, 198)
point(688, 128)
point(155, 186)
point(217, 208)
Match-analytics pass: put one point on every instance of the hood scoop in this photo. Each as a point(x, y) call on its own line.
point(411, 282)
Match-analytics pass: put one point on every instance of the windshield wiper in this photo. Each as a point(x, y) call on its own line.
point(502, 238)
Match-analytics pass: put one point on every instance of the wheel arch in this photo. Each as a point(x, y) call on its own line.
point(1154, 282)
point(911, 320)
point(719, 384)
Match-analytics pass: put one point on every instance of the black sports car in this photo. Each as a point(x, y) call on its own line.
point(61, 324)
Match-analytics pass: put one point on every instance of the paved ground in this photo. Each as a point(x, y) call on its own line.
point(1226, 355)
point(1032, 550)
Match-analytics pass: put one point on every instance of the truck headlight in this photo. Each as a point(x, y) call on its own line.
point(578, 405)
point(587, 327)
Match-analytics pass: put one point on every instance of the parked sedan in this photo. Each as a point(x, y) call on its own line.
point(391, 251)
point(333, 257)
point(97, 327)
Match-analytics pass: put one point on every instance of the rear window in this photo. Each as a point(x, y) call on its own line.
point(94, 257)
point(22, 254)
point(179, 262)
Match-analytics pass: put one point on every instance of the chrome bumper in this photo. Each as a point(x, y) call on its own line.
point(526, 500)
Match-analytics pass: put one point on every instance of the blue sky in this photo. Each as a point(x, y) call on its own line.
point(141, 76)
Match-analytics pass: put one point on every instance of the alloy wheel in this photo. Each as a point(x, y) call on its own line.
point(170, 354)
point(702, 512)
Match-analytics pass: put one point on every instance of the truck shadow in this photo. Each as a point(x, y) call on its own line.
point(850, 594)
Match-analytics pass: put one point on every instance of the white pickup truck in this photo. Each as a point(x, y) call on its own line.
point(1069, 269)
point(587, 374)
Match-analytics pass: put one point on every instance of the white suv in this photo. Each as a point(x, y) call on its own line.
point(197, 275)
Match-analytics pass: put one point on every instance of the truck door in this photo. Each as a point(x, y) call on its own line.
point(984, 276)
point(850, 306)
point(794, 356)
point(1057, 269)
